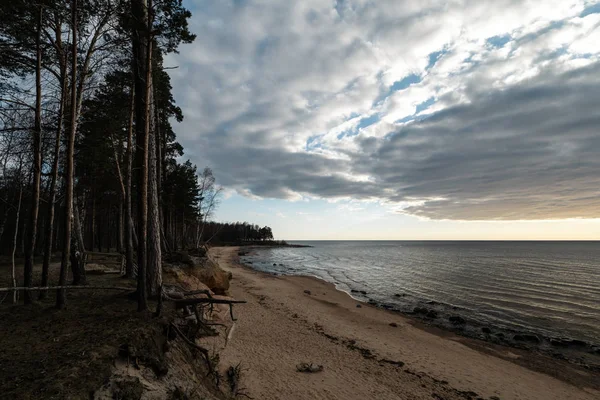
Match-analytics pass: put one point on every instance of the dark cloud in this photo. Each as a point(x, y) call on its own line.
point(275, 96)
point(528, 152)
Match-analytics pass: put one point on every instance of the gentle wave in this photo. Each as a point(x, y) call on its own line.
point(549, 288)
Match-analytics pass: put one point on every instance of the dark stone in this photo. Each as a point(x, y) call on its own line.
point(363, 292)
point(386, 306)
point(526, 338)
point(307, 292)
point(354, 291)
point(393, 324)
point(281, 265)
point(486, 330)
point(399, 295)
point(358, 306)
point(274, 264)
point(559, 342)
point(396, 363)
point(456, 320)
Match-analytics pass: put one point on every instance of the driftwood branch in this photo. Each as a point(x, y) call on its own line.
point(69, 287)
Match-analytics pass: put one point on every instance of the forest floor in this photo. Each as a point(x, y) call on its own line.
point(47, 353)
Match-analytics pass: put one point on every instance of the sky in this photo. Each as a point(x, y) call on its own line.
point(387, 119)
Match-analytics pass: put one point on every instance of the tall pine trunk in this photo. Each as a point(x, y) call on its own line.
point(142, 61)
point(37, 164)
point(154, 246)
point(128, 217)
point(61, 295)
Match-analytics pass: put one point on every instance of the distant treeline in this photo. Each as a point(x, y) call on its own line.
point(237, 232)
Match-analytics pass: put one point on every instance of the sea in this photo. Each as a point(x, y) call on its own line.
point(501, 290)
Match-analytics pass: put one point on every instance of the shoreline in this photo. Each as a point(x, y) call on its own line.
point(446, 365)
point(433, 314)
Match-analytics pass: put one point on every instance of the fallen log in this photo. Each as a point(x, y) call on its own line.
point(67, 287)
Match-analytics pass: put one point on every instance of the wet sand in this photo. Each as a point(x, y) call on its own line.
point(364, 357)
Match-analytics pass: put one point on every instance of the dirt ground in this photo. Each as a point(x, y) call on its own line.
point(57, 354)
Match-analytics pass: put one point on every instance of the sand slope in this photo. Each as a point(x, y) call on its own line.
point(282, 326)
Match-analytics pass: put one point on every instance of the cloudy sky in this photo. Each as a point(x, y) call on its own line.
point(389, 119)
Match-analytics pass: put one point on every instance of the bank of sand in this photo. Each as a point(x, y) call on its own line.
point(282, 326)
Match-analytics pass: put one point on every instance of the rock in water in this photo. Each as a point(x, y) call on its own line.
point(526, 338)
point(456, 320)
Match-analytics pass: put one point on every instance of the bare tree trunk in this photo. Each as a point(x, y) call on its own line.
point(159, 171)
point(77, 248)
point(60, 296)
point(154, 246)
point(4, 219)
point(93, 219)
point(120, 221)
point(14, 250)
point(142, 61)
point(128, 217)
point(54, 179)
point(37, 163)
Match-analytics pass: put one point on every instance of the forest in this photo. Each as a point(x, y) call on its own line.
point(89, 156)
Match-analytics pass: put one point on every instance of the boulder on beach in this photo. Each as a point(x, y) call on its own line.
point(486, 330)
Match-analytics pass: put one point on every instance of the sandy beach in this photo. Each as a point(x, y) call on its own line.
point(370, 353)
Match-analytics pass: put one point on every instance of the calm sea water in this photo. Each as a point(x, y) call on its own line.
point(550, 289)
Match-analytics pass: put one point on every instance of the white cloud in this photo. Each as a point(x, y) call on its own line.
point(294, 99)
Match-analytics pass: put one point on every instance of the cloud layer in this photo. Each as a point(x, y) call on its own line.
point(443, 109)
